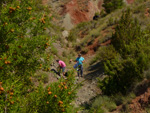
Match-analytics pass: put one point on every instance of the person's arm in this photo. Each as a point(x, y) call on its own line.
point(75, 60)
point(83, 61)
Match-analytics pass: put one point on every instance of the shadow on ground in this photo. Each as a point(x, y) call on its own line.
point(88, 105)
point(94, 71)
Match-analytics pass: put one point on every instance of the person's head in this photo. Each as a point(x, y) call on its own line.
point(79, 55)
point(57, 60)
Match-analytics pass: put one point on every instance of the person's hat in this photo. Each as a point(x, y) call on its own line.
point(79, 54)
point(57, 60)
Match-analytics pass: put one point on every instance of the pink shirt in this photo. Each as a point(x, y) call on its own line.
point(62, 64)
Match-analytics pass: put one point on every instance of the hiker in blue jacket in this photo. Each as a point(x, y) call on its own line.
point(80, 61)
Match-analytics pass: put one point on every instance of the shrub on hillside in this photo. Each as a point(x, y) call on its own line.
point(55, 98)
point(23, 45)
point(132, 45)
point(111, 5)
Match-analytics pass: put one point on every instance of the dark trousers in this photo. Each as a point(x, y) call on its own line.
point(80, 70)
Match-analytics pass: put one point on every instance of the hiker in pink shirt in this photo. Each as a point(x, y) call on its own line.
point(62, 66)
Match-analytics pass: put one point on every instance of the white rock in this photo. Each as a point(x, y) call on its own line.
point(65, 33)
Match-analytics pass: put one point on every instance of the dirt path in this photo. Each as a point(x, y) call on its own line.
point(89, 89)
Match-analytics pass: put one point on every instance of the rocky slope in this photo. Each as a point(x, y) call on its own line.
point(76, 11)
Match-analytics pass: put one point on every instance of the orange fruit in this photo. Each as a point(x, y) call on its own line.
point(11, 102)
point(29, 8)
point(10, 97)
point(55, 96)
point(5, 23)
point(11, 93)
point(65, 87)
point(47, 102)
point(8, 62)
point(64, 83)
point(69, 93)
point(59, 86)
point(5, 62)
point(10, 8)
point(60, 102)
point(18, 7)
point(49, 92)
point(12, 30)
point(63, 110)
point(47, 44)
point(13, 9)
point(2, 89)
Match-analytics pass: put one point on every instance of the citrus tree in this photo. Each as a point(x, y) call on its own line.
point(23, 40)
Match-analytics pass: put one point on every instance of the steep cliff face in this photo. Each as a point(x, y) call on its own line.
point(76, 11)
point(80, 11)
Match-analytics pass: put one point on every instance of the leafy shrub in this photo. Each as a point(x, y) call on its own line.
point(132, 45)
point(105, 53)
point(23, 51)
point(103, 102)
point(111, 5)
point(54, 98)
point(71, 37)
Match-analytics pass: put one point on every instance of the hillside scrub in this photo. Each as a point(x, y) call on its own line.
point(25, 47)
point(111, 5)
point(132, 46)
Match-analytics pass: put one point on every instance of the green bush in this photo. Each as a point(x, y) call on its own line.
point(105, 53)
point(111, 5)
point(102, 103)
point(55, 98)
point(132, 47)
point(24, 49)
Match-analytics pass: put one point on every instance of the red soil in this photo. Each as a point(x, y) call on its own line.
point(140, 102)
point(100, 4)
point(106, 43)
point(147, 14)
point(80, 11)
point(130, 1)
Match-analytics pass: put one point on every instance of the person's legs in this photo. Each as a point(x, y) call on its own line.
point(81, 70)
point(63, 70)
point(78, 72)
